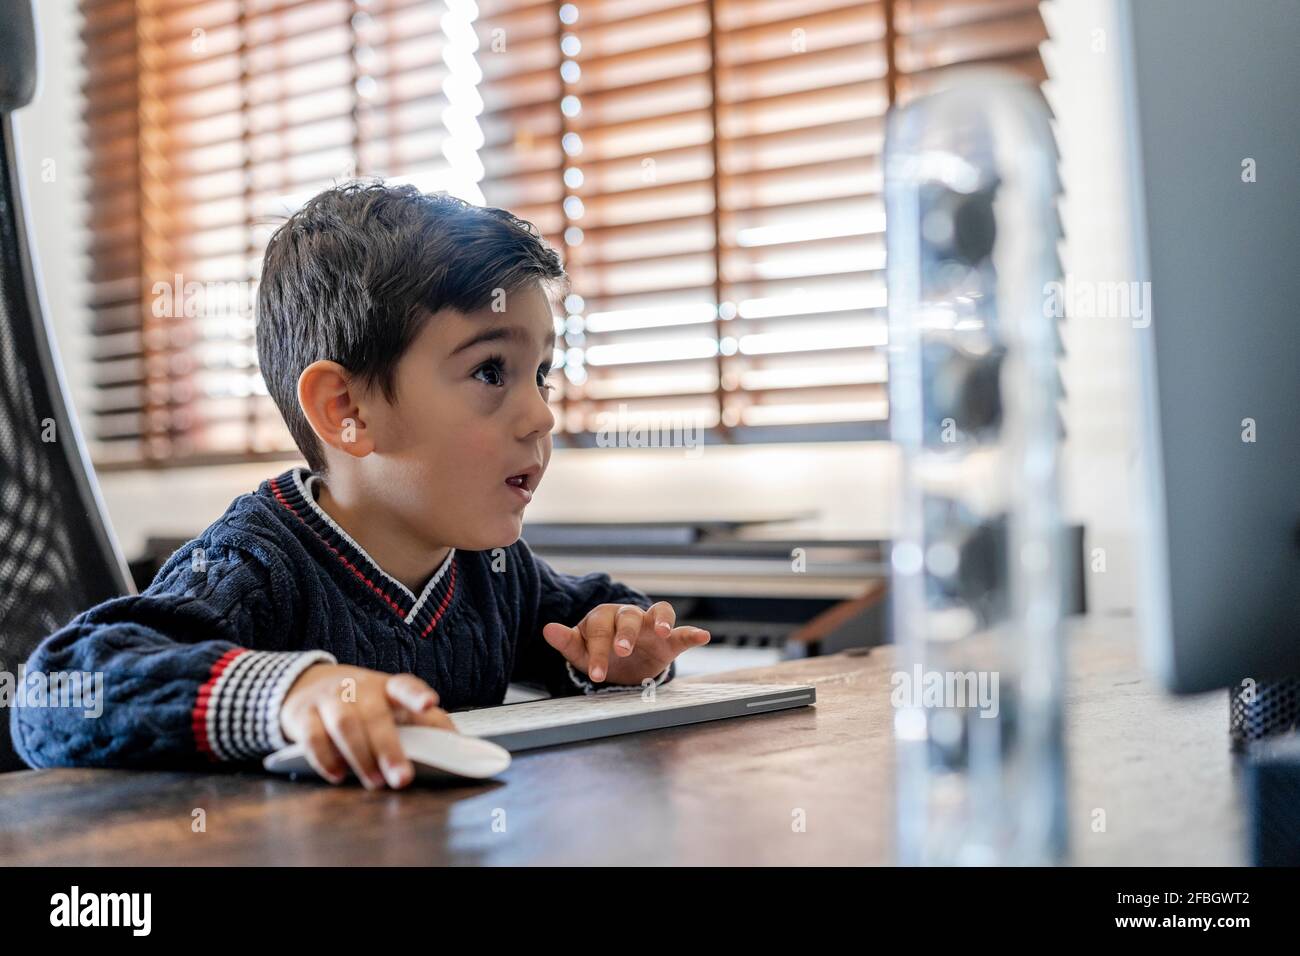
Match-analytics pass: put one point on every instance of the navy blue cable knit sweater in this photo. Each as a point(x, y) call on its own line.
point(195, 668)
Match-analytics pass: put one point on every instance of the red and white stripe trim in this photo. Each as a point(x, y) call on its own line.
point(237, 713)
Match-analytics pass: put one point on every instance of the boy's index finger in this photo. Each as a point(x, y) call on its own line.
point(410, 692)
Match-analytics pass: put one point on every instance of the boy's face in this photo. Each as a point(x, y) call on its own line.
point(467, 415)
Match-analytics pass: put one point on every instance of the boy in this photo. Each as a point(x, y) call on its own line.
point(406, 340)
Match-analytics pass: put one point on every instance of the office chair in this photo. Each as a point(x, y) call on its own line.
point(57, 552)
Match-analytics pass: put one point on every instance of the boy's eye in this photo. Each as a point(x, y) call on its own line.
point(493, 368)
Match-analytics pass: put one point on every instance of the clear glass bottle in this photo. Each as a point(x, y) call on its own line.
point(978, 562)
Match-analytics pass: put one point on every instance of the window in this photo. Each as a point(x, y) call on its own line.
point(708, 170)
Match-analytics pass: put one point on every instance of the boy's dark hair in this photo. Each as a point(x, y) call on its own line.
point(355, 273)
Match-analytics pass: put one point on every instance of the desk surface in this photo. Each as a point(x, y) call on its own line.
point(716, 793)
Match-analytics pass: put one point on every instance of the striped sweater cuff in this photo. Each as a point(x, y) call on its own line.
point(589, 688)
point(237, 713)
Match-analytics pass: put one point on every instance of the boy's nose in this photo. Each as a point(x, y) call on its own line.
point(540, 416)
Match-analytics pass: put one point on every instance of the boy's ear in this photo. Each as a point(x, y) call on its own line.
point(328, 397)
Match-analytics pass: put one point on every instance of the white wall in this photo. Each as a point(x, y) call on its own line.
point(53, 161)
point(1082, 58)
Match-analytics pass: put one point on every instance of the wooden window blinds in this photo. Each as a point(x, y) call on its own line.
point(709, 171)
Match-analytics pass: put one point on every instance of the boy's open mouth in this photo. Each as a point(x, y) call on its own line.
point(525, 480)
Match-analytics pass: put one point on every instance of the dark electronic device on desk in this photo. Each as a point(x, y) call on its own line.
point(1212, 138)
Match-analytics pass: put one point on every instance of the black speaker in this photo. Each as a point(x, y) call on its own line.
point(1272, 787)
point(1258, 710)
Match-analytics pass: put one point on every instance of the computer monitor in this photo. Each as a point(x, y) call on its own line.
point(1210, 94)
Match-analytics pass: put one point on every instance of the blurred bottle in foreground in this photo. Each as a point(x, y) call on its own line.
point(978, 562)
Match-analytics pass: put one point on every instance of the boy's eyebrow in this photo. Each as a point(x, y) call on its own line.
point(509, 333)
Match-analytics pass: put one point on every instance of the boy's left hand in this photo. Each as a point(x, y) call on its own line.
point(622, 643)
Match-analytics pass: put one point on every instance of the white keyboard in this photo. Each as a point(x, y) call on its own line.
point(558, 720)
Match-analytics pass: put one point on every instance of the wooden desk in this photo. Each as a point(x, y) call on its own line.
point(716, 793)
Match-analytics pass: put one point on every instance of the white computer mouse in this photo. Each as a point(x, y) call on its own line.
point(436, 754)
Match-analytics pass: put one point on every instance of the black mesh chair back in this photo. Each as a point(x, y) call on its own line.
point(57, 554)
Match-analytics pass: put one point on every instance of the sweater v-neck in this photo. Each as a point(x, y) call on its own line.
point(295, 490)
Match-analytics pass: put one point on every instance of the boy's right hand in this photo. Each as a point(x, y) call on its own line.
point(348, 716)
